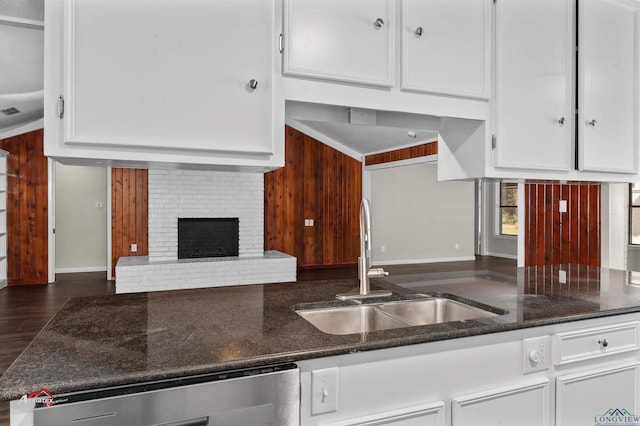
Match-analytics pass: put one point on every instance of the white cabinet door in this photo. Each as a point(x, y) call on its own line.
point(169, 74)
point(533, 84)
point(422, 415)
point(608, 85)
point(523, 405)
point(582, 398)
point(349, 41)
point(446, 46)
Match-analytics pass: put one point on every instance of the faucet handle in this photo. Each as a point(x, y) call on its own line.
point(377, 273)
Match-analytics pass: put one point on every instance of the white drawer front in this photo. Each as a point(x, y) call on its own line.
point(595, 342)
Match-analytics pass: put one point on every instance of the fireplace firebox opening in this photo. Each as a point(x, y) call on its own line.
point(208, 237)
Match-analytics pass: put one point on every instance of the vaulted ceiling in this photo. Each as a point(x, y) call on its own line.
point(22, 62)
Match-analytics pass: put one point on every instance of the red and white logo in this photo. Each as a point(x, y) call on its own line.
point(42, 396)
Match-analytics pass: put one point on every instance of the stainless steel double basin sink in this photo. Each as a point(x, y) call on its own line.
point(362, 318)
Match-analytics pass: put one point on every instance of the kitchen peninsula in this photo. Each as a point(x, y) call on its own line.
point(133, 338)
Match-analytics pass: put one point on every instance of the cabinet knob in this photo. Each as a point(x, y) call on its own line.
point(379, 23)
point(561, 121)
point(603, 343)
point(535, 357)
point(253, 83)
point(592, 123)
point(419, 31)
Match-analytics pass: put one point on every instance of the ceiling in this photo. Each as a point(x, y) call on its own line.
point(21, 62)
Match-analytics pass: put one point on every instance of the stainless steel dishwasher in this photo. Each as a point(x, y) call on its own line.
point(259, 396)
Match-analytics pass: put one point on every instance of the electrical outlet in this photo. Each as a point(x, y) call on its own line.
point(563, 206)
point(134, 248)
point(562, 276)
point(536, 354)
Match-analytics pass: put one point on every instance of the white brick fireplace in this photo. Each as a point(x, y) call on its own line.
point(190, 194)
point(177, 194)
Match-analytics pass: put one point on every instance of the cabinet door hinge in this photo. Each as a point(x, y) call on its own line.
point(60, 106)
point(493, 141)
point(281, 43)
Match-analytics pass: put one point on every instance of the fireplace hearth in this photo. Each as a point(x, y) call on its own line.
point(207, 237)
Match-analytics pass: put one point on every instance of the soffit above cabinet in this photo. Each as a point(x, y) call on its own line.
point(358, 132)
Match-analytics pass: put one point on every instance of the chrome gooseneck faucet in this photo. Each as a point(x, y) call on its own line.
point(364, 261)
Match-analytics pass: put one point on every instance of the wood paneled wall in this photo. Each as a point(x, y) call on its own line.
point(129, 213)
point(316, 183)
point(429, 148)
point(27, 209)
point(552, 237)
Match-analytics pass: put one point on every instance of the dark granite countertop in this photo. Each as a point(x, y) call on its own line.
point(96, 342)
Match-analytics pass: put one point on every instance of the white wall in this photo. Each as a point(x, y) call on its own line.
point(81, 226)
point(614, 210)
point(419, 219)
point(495, 244)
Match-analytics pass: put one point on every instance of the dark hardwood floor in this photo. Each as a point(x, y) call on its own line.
point(24, 310)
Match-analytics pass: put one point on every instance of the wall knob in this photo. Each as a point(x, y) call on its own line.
point(592, 123)
point(419, 31)
point(561, 121)
point(603, 343)
point(253, 83)
point(379, 23)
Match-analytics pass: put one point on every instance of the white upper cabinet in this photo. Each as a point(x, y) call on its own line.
point(534, 106)
point(351, 41)
point(539, 85)
point(415, 48)
point(446, 47)
point(164, 81)
point(608, 86)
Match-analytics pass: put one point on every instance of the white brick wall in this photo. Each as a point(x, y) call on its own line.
point(136, 274)
point(195, 194)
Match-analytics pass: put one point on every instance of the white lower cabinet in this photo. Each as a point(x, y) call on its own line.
point(481, 380)
point(597, 374)
point(422, 415)
point(522, 404)
point(611, 391)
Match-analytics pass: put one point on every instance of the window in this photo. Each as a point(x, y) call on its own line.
point(508, 208)
point(634, 213)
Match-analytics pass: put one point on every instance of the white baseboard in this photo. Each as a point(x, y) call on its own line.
point(81, 269)
point(503, 255)
point(414, 261)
